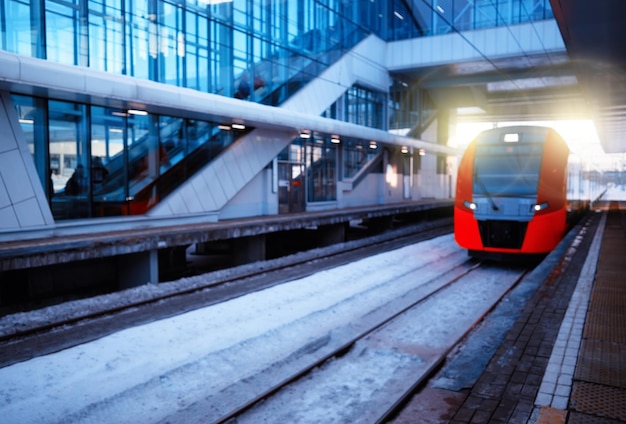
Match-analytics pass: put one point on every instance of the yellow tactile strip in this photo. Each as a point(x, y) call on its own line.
point(602, 362)
point(577, 418)
point(599, 400)
point(606, 318)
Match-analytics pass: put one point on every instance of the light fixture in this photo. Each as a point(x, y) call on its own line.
point(305, 134)
point(373, 145)
point(137, 112)
point(470, 205)
point(422, 152)
point(335, 139)
point(27, 121)
point(224, 127)
point(237, 126)
point(511, 138)
point(404, 149)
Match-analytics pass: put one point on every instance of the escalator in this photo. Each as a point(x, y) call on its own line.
point(153, 164)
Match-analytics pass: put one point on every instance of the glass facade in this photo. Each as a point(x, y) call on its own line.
point(260, 50)
point(97, 161)
point(255, 50)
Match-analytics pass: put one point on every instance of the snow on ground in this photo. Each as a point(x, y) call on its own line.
point(145, 373)
point(391, 360)
point(615, 193)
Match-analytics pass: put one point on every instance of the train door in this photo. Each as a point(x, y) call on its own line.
point(290, 187)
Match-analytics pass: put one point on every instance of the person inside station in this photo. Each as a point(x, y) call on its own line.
point(243, 90)
point(77, 185)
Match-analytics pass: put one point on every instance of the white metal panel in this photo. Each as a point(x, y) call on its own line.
point(28, 213)
point(242, 158)
point(515, 40)
point(108, 85)
point(8, 218)
point(231, 170)
point(190, 199)
point(204, 194)
point(210, 178)
point(15, 177)
point(53, 75)
point(5, 201)
point(177, 205)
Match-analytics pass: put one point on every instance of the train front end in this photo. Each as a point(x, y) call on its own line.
point(511, 192)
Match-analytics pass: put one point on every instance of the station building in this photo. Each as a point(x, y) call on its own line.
point(142, 111)
point(226, 108)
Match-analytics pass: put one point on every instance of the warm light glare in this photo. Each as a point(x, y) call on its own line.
point(511, 138)
point(137, 112)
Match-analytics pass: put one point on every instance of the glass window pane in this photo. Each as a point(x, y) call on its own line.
point(106, 35)
point(62, 33)
point(19, 37)
point(108, 159)
point(141, 44)
point(321, 167)
point(507, 171)
point(68, 139)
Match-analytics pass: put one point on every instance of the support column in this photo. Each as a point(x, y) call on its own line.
point(246, 250)
point(137, 269)
point(331, 234)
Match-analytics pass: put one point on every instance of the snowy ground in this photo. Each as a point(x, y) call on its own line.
point(145, 373)
point(615, 193)
point(364, 383)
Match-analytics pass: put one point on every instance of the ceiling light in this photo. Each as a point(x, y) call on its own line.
point(137, 112)
point(238, 126)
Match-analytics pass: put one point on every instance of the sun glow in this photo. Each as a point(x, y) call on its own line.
point(581, 137)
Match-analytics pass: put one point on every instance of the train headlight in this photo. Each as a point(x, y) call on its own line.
point(539, 207)
point(469, 205)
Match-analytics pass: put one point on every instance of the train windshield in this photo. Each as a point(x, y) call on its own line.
point(507, 171)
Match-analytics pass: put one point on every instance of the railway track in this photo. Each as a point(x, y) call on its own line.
point(35, 333)
point(370, 375)
point(382, 324)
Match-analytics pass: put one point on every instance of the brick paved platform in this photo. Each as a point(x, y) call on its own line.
point(564, 358)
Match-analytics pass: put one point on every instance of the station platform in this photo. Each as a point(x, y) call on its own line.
point(594, 337)
point(564, 359)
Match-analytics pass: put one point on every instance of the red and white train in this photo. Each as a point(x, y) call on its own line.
point(511, 193)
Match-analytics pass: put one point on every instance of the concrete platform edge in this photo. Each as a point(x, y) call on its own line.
point(552, 400)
